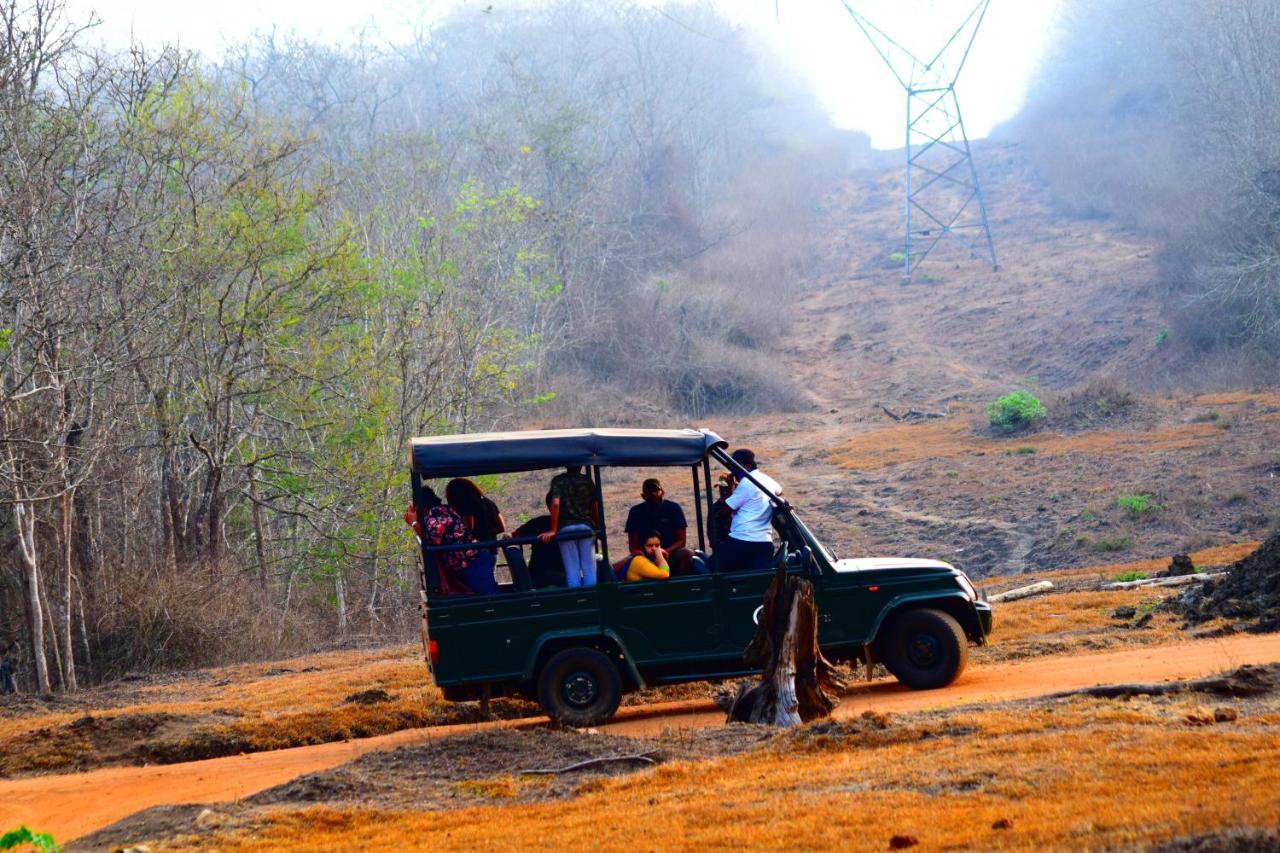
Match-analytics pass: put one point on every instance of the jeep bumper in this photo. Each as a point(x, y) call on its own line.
point(983, 610)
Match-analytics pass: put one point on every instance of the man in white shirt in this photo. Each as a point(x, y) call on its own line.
point(749, 546)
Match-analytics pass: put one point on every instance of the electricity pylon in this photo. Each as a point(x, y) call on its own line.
point(943, 196)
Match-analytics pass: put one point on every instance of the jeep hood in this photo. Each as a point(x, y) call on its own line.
point(864, 564)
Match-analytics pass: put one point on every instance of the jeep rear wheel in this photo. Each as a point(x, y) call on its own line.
point(925, 649)
point(579, 687)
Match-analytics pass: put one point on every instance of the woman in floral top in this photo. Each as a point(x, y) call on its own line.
point(445, 527)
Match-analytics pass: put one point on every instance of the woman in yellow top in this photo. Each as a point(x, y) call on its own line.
point(652, 564)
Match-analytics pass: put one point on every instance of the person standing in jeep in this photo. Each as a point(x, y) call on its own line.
point(574, 510)
point(749, 546)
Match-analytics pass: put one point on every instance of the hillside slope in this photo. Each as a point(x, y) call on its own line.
point(1074, 301)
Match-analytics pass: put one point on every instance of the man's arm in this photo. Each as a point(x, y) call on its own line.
point(634, 545)
point(555, 522)
point(681, 535)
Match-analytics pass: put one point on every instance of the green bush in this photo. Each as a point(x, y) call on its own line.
point(1130, 576)
point(1015, 411)
point(41, 841)
point(1138, 505)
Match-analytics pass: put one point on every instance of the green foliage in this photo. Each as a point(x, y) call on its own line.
point(897, 257)
point(1015, 411)
point(1162, 336)
point(1025, 451)
point(1130, 576)
point(1138, 505)
point(41, 841)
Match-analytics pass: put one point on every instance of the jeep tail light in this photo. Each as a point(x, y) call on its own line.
point(433, 652)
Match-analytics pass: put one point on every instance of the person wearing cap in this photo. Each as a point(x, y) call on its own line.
point(749, 545)
point(656, 513)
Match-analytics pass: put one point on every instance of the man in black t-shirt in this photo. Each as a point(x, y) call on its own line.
point(655, 512)
point(546, 568)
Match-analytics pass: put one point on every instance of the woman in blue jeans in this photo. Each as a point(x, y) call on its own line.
point(574, 510)
point(484, 520)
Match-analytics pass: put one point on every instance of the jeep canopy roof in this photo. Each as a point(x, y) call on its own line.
point(503, 452)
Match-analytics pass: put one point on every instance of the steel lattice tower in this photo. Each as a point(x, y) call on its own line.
point(943, 196)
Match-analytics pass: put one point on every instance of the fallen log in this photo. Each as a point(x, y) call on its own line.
point(798, 683)
point(911, 414)
point(639, 758)
point(1177, 580)
point(1021, 592)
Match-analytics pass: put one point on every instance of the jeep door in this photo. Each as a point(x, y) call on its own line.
point(664, 620)
point(741, 596)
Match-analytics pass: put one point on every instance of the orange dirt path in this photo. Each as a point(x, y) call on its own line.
point(75, 804)
point(1000, 682)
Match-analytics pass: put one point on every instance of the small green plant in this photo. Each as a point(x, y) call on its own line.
point(1015, 411)
point(897, 257)
point(1162, 336)
point(1088, 515)
point(1112, 543)
point(1130, 576)
point(1138, 505)
point(1024, 451)
point(41, 841)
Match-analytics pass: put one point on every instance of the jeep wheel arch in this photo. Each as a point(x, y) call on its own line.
point(924, 648)
point(579, 686)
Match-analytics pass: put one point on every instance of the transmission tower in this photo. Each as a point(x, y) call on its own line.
point(943, 196)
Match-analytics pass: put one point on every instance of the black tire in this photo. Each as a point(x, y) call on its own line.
point(579, 687)
point(925, 649)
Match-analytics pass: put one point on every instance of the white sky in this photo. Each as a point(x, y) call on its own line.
point(817, 36)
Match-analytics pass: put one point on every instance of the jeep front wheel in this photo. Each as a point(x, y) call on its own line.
point(579, 687)
point(925, 649)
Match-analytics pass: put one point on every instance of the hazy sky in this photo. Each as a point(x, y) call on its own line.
point(817, 36)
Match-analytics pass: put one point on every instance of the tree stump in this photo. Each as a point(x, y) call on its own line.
point(798, 683)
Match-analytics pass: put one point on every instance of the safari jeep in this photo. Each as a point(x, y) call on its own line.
point(577, 650)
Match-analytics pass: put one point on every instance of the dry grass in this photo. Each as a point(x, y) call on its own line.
point(954, 437)
point(1083, 773)
point(1079, 619)
point(243, 708)
point(961, 435)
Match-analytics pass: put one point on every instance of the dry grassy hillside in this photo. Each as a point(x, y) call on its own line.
point(1073, 315)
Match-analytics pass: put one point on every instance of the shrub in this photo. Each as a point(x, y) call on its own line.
point(1162, 336)
point(1130, 576)
point(1112, 543)
point(1138, 505)
point(1015, 411)
point(41, 841)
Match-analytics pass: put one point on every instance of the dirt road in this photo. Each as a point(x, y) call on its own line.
point(75, 804)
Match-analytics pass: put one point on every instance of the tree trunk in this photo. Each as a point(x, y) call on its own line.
point(259, 529)
point(66, 634)
point(340, 593)
point(798, 681)
point(24, 518)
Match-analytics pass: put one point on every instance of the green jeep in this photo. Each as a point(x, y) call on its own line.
point(577, 650)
